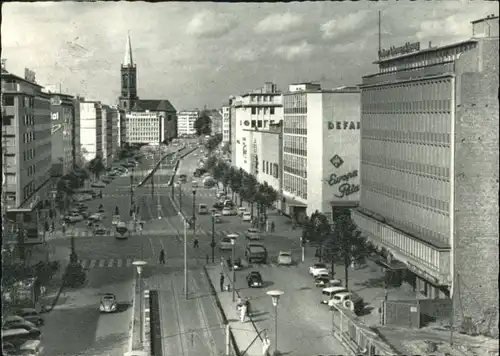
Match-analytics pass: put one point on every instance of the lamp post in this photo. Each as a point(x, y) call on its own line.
point(180, 197)
point(233, 240)
point(140, 265)
point(185, 256)
point(194, 209)
point(275, 295)
point(212, 244)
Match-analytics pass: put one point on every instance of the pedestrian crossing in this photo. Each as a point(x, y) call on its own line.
point(106, 263)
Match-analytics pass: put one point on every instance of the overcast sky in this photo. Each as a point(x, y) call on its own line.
point(200, 53)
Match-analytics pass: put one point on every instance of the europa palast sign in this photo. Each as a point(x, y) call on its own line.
point(408, 47)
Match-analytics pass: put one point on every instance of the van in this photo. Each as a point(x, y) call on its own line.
point(255, 252)
point(31, 348)
point(202, 209)
point(329, 292)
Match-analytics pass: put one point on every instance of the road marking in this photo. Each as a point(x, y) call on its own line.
point(101, 263)
point(110, 263)
point(129, 262)
point(92, 263)
point(209, 339)
point(119, 263)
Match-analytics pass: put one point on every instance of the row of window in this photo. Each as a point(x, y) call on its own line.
point(295, 145)
point(419, 168)
point(424, 138)
point(295, 122)
point(295, 185)
point(28, 190)
point(28, 137)
point(28, 154)
point(295, 103)
point(265, 111)
point(31, 170)
point(424, 201)
point(431, 106)
point(295, 151)
point(259, 98)
point(270, 168)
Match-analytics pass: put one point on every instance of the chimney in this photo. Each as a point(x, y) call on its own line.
point(430, 44)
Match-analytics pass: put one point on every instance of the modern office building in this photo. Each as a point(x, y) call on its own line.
point(226, 124)
point(114, 119)
point(185, 122)
point(107, 139)
point(258, 110)
point(26, 151)
point(429, 168)
point(121, 125)
point(63, 119)
point(321, 134)
point(91, 132)
point(232, 117)
point(147, 121)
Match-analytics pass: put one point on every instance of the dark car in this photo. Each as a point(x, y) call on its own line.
point(31, 315)
point(218, 206)
point(254, 279)
point(100, 231)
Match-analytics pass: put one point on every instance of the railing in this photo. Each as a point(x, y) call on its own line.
point(11, 87)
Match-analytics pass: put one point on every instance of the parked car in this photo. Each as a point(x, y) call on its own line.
point(13, 321)
point(246, 217)
point(31, 315)
point(100, 231)
point(252, 234)
point(241, 210)
point(285, 258)
point(313, 270)
point(31, 348)
point(73, 218)
point(218, 206)
point(122, 229)
point(95, 217)
point(228, 212)
point(98, 185)
point(202, 209)
point(108, 303)
point(328, 293)
point(254, 279)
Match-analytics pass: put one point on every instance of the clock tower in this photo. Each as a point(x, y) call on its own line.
point(128, 96)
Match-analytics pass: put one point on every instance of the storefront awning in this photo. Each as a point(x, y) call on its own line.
point(294, 202)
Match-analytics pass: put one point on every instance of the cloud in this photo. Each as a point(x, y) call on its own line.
point(209, 24)
point(277, 23)
point(351, 22)
point(451, 26)
point(292, 52)
point(245, 54)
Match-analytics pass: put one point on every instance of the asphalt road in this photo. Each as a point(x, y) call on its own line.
point(305, 324)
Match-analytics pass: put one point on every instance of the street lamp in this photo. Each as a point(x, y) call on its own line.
point(194, 209)
point(212, 244)
point(140, 265)
point(275, 295)
point(185, 256)
point(233, 238)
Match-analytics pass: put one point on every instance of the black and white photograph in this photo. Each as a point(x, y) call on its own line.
point(250, 179)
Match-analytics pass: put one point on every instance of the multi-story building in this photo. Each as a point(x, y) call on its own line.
point(232, 117)
point(63, 119)
point(107, 139)
point(26, 131)
point(121, 126)
point(320, 149)
point(147, 121)
point(114, 120)
point(77, 155)
point(215, 122)
point(259, 110)
point(429, 168)
point(185, 122)
point(226, 124)
point(91, 123)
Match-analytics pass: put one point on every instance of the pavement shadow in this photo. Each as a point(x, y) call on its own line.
point(304, 288)
point(266, 284)
point(377, 282)
point(367, 309)
point(123, 306)
point(258, 313)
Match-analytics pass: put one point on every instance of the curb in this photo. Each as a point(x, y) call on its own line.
point(131, 332)
point(157, 165)
point(222, 312)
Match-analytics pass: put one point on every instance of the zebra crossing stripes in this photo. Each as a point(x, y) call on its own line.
point(106, 263)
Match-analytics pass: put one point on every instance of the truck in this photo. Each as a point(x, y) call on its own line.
point(256, 252)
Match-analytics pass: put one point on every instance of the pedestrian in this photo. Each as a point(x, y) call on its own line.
point(273, 226)
point(53, 226)
point(222, 282)
point(195, 243)
point(162, 257)
point(243, 312)
point(266, 344)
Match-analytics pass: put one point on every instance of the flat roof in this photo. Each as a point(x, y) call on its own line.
point(262, 93)
point(339, 91)
point(432, 49)
point(493, 17)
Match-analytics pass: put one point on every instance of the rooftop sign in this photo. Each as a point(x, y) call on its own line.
point(394, 51)
point(29, 75)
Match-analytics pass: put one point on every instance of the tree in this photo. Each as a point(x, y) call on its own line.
point(210, 163)
point(249, 190)
point(348, 240)
point(213, 142)
point(220, 172)
point(235, 181)
point(202, 124)
point(318, 228)
point(96, 166)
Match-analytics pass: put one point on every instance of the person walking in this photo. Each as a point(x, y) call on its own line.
point(222, 282)
point(273, 226)
point(243, 312)
point(162, 257)
point(53, 226)
point(195, 243)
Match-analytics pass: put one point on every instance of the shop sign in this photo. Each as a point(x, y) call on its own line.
point(343, 182)
point(394, 51)
point(344, 125)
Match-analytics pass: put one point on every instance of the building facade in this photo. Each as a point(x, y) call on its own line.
point(321, 135)
point(114, 118)
point(27, 146)
point(232, 117)
point(226, 124)
point(186, 122)
point(63, 119)
point(215, 122)
point(77, 155)
point(259, 110)
point(91, 132)
point(429, 169)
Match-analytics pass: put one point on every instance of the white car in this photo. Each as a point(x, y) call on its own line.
point(227, 212)
point(95, 217)
point(98, 185)
point(252, 234)
point(316, 268)
point(73, 218)
point(285, 258)
point(246, 216)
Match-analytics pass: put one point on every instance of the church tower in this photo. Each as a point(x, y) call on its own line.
point(128, 95)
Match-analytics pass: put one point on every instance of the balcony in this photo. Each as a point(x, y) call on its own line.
point(429, 261)
point(10, 87)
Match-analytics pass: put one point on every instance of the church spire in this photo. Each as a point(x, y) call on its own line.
point(128, 60)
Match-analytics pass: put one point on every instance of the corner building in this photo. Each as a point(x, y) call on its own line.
point(321, 134)
point(429, 170)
